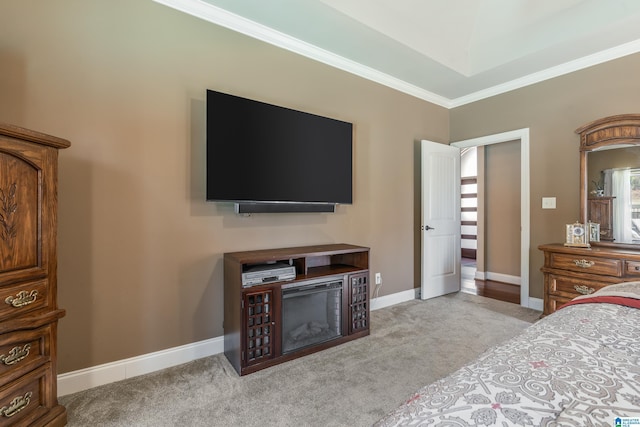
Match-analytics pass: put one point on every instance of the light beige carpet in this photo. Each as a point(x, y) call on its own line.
point(354, 384)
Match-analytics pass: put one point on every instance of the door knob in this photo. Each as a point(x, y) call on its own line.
point(427, 228)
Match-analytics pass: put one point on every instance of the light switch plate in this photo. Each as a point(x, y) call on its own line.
point(548, 203)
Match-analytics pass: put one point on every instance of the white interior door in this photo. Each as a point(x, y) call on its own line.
point(440, 220)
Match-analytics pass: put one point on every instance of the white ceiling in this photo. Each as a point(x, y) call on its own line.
point(449, 52)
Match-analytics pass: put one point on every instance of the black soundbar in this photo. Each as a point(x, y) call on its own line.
point(248, 208)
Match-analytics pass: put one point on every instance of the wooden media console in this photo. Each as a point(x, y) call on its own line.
point(326, 304)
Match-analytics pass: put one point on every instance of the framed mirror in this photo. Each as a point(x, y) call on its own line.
point(610, 178)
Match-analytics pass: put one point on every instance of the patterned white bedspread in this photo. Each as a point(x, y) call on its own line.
point(577, 367)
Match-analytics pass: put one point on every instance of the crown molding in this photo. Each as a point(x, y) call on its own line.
point(549, 73)
point(224, 18)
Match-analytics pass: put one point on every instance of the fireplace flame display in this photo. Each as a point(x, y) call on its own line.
point(311, 314)
point(308, 330)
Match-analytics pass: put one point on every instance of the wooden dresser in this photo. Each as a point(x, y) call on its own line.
point(570, 272)
point(28, 305)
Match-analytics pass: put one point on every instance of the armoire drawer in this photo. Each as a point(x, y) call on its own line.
point(586, 264)
point(22, 351)
point(21, 401)
point(22, 297)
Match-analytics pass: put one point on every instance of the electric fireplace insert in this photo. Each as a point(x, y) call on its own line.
point(311, 313)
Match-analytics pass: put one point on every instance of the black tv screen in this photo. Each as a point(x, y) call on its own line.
point(258, 152)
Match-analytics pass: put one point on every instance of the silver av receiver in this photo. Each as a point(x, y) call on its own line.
point(266, 273)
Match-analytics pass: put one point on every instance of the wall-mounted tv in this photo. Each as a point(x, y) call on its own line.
point(268, 158)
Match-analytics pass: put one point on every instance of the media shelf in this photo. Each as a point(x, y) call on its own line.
point(325, 305)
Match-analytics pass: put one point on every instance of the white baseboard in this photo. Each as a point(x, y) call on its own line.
point(84, 379)
point(536, 304)
point(498, 277)
point(393, 299)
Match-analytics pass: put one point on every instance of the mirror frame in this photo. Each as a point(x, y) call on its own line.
point(623, 129)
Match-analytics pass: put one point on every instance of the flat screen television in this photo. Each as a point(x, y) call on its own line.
point(267, 158)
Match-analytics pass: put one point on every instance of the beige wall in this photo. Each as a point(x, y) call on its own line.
point(502, 208)
point(553, 110)
point(140, 252)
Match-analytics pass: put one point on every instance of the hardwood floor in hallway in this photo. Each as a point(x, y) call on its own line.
point(487, 288)
point(490, 289)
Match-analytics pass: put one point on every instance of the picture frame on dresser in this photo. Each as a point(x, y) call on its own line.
point(594, 231)
point(577, 235)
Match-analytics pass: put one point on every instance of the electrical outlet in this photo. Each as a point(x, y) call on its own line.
point(378, 279)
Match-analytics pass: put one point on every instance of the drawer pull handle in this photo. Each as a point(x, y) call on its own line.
point(23, 298)
point(17, 405)
point(583, 289)
point(15, 355)
point(583, 263)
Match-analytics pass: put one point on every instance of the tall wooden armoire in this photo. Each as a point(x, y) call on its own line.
point(29, 311)
point(600, 210)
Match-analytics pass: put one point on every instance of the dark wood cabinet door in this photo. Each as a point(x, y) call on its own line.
point(20, 219)
point(358, 302)
point(260, 323)
point(601, 212)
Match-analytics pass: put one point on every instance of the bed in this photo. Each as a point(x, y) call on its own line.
point(579, 366)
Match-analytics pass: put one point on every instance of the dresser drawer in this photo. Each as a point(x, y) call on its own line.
point(21, 402)
point(632, 268)
point(586, 264)
point(572, 272)
point(571, 287)
point(22, 351)
point(22, 297)
point(552, 303)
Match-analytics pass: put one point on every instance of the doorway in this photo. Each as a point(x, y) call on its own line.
point(470, 247)
point(522, 136)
